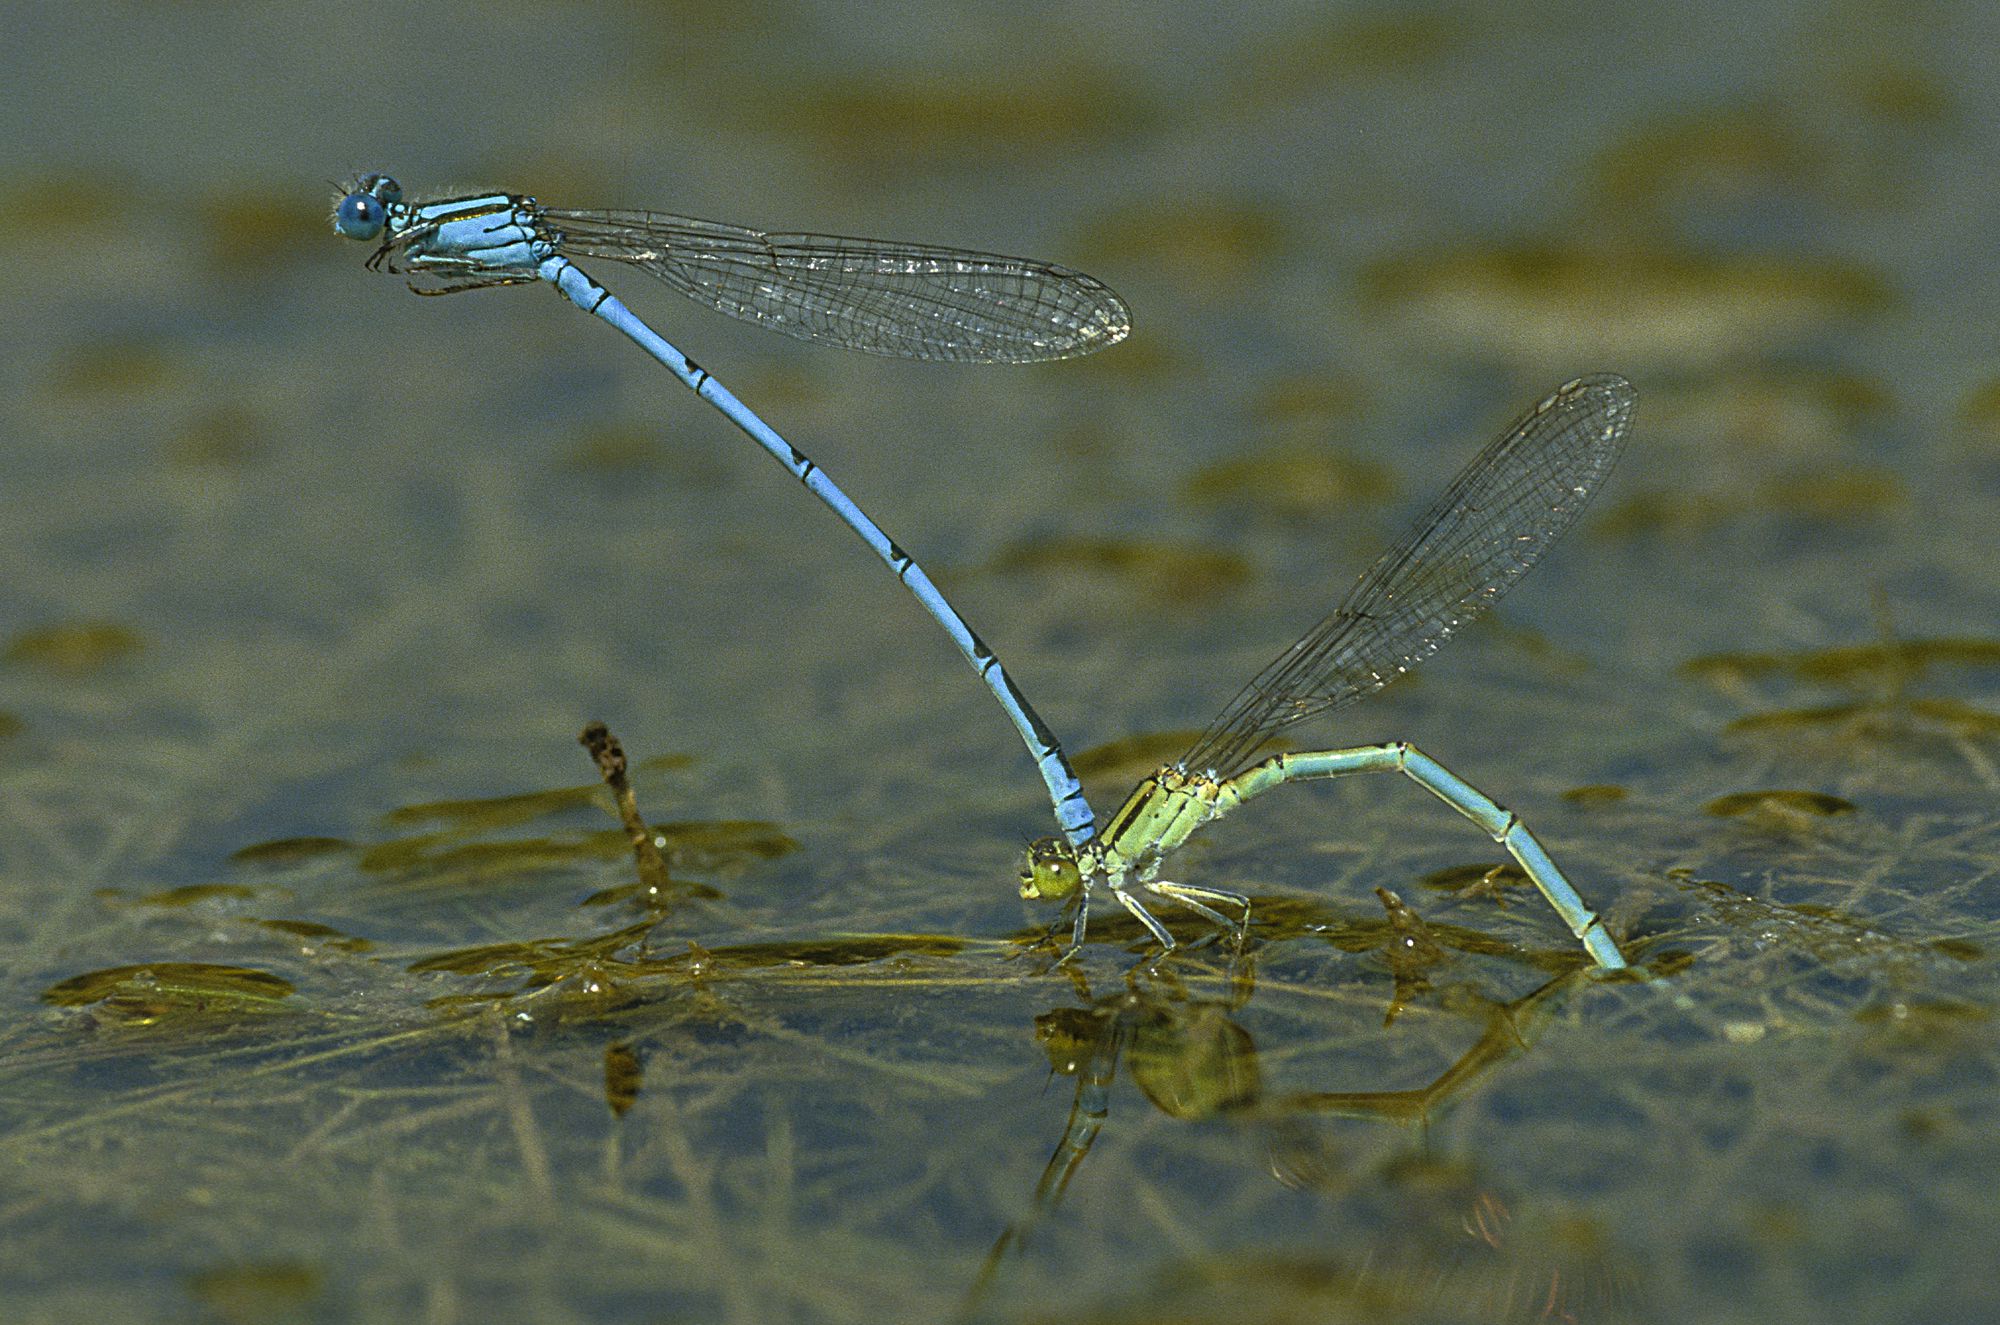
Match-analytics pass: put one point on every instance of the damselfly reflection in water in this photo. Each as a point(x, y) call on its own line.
point(1194, 1061)
point(912, 301)
point(1490, 526)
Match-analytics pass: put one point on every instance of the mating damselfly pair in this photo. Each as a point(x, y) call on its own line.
point(924, 302)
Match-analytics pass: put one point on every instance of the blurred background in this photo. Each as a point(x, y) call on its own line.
point(332, 994)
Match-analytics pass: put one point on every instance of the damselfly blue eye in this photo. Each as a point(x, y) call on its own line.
point(360, 216)
point(383, 187)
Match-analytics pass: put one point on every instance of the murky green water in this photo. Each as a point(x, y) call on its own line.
point(335, 994)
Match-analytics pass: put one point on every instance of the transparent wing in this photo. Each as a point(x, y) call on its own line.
point(1482, 535)
point(911, 301)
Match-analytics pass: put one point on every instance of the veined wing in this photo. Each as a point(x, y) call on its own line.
point(911, 301)
point(1481, 536)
